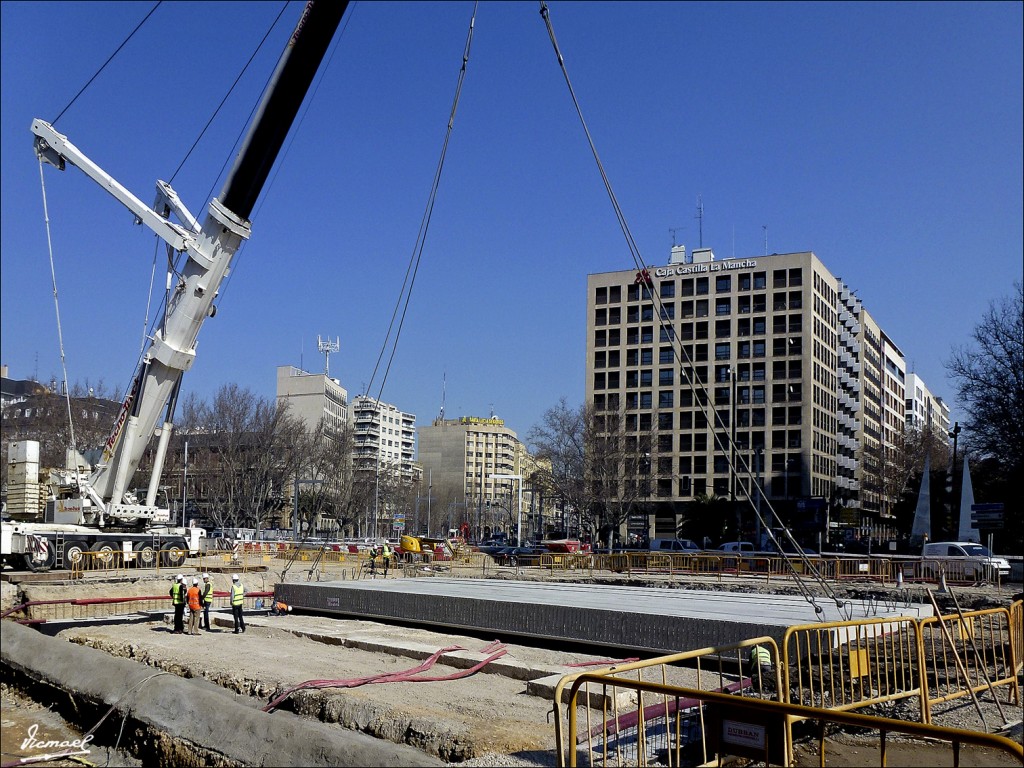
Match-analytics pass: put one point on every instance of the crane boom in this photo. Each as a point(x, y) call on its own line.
point(149, 405)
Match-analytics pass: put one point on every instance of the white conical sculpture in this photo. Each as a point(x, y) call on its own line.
point(922, 527)
point(966, 533)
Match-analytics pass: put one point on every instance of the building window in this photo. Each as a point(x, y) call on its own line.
point(668, 311)
point(645, 400)
point(646, 356)
point(601, 296)
point(722, 351)
point(666, 334)
point(796, 276)
point(723, 329)
point(601, 317)
point(779, 278)
point(666, 355)
point(723, 307)
point(668, 289)
point(760, 281)
point(665, 399)
point(666, 377)
point(723, 283)
point(701, 284)
point(744, 282)
point(598, 381)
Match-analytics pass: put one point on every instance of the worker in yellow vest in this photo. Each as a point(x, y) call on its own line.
point(178, 601)
point(207, 599)
point(385, 554)
point(761, 669)
point(237, 596)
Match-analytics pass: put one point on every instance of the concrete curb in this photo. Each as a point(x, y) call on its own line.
point(196, 712)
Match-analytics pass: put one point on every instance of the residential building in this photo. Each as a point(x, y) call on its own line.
point(735, 372)
point(925, 411)
point(463, 459)
point(383, 436)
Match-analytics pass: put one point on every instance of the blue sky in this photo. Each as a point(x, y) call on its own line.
point(885, 137)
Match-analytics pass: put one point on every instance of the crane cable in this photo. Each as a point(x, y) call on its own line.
point(681, 354)
point(421, 236)
point(56, 308)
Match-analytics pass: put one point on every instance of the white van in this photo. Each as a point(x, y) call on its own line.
point(976, 558)
point(737, 546)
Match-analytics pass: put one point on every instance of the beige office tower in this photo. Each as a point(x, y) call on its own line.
point(734, 373)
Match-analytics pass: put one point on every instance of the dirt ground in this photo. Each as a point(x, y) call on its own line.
point(488, 718)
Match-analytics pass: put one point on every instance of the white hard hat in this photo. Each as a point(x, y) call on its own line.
point(179, 577)
point(195, 581)
point(235, 577)
point(206, 575)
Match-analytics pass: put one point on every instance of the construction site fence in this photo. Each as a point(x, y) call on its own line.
point(73, 609)
point(336, 561)
point(249, 555)
point(621, 716)
point(833, 568)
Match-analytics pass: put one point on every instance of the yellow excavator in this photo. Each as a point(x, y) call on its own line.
point(424, 548)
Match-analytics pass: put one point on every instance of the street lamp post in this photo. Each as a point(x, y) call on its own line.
point(955, 501)
point(519, 518)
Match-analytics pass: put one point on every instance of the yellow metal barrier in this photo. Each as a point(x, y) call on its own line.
point(1017, 634)
point(699, 724)
point(624, 724)
point(983, 649)
point(851, 664)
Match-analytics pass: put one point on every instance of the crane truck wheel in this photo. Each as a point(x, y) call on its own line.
point(43, 558)
point(103, 556)
point(145, 555)
point(173, 554)
point(74, 551)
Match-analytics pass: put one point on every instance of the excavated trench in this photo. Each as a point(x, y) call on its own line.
point(163, 719)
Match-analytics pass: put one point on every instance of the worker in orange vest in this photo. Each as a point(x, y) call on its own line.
point(195, 605)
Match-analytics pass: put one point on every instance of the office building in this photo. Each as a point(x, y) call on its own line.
point(736, 372)
point(313, 397)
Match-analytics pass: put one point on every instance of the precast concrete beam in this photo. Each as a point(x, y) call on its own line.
point(653, 620)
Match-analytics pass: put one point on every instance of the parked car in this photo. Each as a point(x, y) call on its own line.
point(977, 558)
point(520, 555)
point(673, 545)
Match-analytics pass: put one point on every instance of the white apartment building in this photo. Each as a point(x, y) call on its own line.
point(925, 411)
point(384, 438)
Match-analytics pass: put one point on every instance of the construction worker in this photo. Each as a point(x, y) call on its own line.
point(280, 609)
point(385, 554)
point(237, 596)
point(764, 677)
point(195, 603)
point(207, 599)
point(178, 601)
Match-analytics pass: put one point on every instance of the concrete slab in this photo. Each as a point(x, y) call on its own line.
point(641, 619)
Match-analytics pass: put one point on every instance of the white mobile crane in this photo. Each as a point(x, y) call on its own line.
point(92, 507)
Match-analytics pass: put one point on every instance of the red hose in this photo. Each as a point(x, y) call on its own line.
point(405, 676)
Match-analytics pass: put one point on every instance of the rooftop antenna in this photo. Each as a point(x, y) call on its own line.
point(673, 230)
point(327, 347)
point(700, 221)
point(765, 228)
point(444, 387)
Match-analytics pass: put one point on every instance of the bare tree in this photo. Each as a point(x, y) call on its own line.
point(990, 386)
point(990, 383)
point(595, 463)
